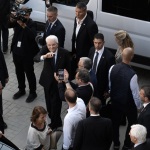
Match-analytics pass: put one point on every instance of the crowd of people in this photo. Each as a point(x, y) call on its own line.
point(91, 74)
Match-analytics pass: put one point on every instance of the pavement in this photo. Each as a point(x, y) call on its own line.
point(17, 112)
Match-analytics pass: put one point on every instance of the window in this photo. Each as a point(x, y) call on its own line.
point(129, 8)
point(70, 2)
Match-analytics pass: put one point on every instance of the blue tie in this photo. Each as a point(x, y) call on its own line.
point(48, 29)
point(95, 62)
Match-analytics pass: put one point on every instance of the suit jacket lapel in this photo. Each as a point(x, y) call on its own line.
point(101, 59)
point(83, 25)
point(58, 59)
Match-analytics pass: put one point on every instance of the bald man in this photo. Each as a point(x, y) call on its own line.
point(124, 91)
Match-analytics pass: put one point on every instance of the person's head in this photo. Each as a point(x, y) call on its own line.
point(82, 76)
point(52, 13)
point(138, 133)
point(85, 62)
point(98, 41)
point(145, 93)
point(71, 96)
point(38, 115)
point(52, 43)
point(28, 13)
point(80, 10)
point(123, 39)
point(95, 105)
point(127, 54)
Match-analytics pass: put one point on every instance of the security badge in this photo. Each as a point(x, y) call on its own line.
point(19, 44)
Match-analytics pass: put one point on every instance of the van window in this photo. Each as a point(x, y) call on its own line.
point(129, 8)
point(70, 2)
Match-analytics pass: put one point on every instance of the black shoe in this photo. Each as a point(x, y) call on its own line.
point(19, 94)
point(5, 125)
point(31, 97)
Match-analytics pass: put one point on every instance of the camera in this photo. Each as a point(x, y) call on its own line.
point(61, 74)
point(18, 13)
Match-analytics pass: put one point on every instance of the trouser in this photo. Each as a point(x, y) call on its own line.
point(25, 66)
point(53, 104)
point(4, 32)
point(131, 115)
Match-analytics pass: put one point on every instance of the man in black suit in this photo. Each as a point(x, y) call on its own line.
point(101, 65)
point(83, 88)
point(3, 81)
point(95, 132)
point(84, 30)
point(138, 137)
point(124, 92)
point(54, 58)
point(54, 27)
point(144, 116)
point(24, 48)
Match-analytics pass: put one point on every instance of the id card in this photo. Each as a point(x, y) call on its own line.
point(19, 44)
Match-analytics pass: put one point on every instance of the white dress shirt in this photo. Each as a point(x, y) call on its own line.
point(100, 52)
point(74, 115)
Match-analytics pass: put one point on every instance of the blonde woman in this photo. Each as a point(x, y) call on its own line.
point(123, 40)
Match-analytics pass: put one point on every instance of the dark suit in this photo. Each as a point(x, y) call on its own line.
point(143, 146)
point(23, 54)
point(144, 119)
point(106, 61)
point(84, 39)
point(3, 77)
point(58, 30)
point(47, 80)
point(93, 133)
point(83, 42)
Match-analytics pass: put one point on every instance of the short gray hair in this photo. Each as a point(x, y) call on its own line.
point(87, 62)
point(139, 132)
point(52, 37)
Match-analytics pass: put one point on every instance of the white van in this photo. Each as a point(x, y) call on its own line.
point(110, 16)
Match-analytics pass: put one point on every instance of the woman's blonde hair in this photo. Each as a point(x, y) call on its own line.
point(125, 39)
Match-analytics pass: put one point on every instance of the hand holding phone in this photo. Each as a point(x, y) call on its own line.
point(60, 74)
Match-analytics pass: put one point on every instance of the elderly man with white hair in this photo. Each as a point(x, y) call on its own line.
point(54, 58)
point(138, 137)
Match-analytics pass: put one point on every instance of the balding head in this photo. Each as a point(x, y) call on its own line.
point(127, 54)
point(71, 96)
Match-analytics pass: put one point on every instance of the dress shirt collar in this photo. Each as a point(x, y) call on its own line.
point(52, 23)
point(100, 52)
point(80, 21)
point(72, 108)
point(145, 104)
point(138, 144)
point(95, 115)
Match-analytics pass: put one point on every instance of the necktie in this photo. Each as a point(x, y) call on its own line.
point(48, 29)
point(95, 62)
point(54, 60)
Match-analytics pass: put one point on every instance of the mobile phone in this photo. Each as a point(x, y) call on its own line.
point(61, 74)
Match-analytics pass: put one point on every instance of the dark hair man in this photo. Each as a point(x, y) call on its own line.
point(102, 60)
point(83, 33)
point(94, 132)
point(54, 26)
point(144, 116)
point(24, 48)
